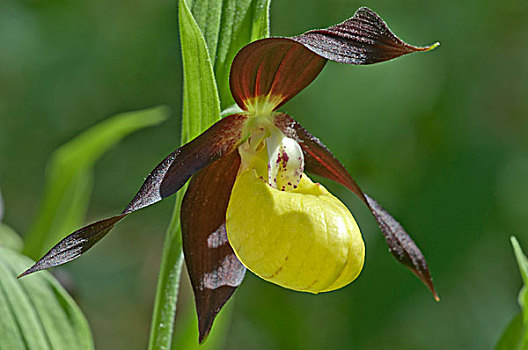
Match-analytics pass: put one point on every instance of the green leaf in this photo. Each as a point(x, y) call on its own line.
point(243, 21)
point(513, 337)
point(226, 27)
point(9, 238)
point(69, 177)
point(37, 313)
point(201, 107)
point(522, 262)
point(207, 15)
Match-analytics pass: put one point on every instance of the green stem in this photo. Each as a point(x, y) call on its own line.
point(162, 325)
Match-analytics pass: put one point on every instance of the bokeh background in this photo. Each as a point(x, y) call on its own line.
point(440, 139)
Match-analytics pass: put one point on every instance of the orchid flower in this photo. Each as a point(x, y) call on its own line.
point(249, 203)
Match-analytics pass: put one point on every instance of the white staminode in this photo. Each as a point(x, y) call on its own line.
point(285, 161)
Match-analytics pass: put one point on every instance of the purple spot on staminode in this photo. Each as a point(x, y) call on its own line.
point(285, 157)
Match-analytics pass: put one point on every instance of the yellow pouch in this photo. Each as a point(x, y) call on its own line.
point(304, 239)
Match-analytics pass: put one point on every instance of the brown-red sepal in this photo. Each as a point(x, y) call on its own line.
point(167, 178)
point(320, 161)
point(362, 39)
point(272, 70)
point(74, 245)
point(173, 172)
point(214, 270)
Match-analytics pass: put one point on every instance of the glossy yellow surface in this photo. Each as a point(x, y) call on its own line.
point(304, 239)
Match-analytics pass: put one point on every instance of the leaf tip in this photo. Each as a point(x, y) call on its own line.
point(514, 242)
point(519, 255)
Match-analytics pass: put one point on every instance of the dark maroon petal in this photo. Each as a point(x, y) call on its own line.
point(166, 179)
point(174, 171)
point(320, 161)
point(74, 245)
point(274, 69)
point(362, 39)
point(401, 244)
point(214, 269)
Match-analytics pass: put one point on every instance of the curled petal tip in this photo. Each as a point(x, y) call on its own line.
point(362, 39)
point(27, 272)
point(429, 48)
point(431, 287)
point(35, 268)
point(425, 277)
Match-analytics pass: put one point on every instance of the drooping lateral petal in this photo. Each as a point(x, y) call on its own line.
point(214, 270)
point(363, 39)
point(272, 71)
point(166, 179)
point(74, 245)
point(401, 244)
point(320, 161)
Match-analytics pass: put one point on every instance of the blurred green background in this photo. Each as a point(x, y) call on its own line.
point(440, 139)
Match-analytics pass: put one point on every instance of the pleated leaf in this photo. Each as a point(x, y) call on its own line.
point(9, 238)
point(37, 313)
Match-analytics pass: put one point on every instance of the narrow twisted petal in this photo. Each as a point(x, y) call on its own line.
point(74, 245)
point(320, 161)
point(214, 270)
point(271, 71)
point(166, 179)
point(174, 171)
